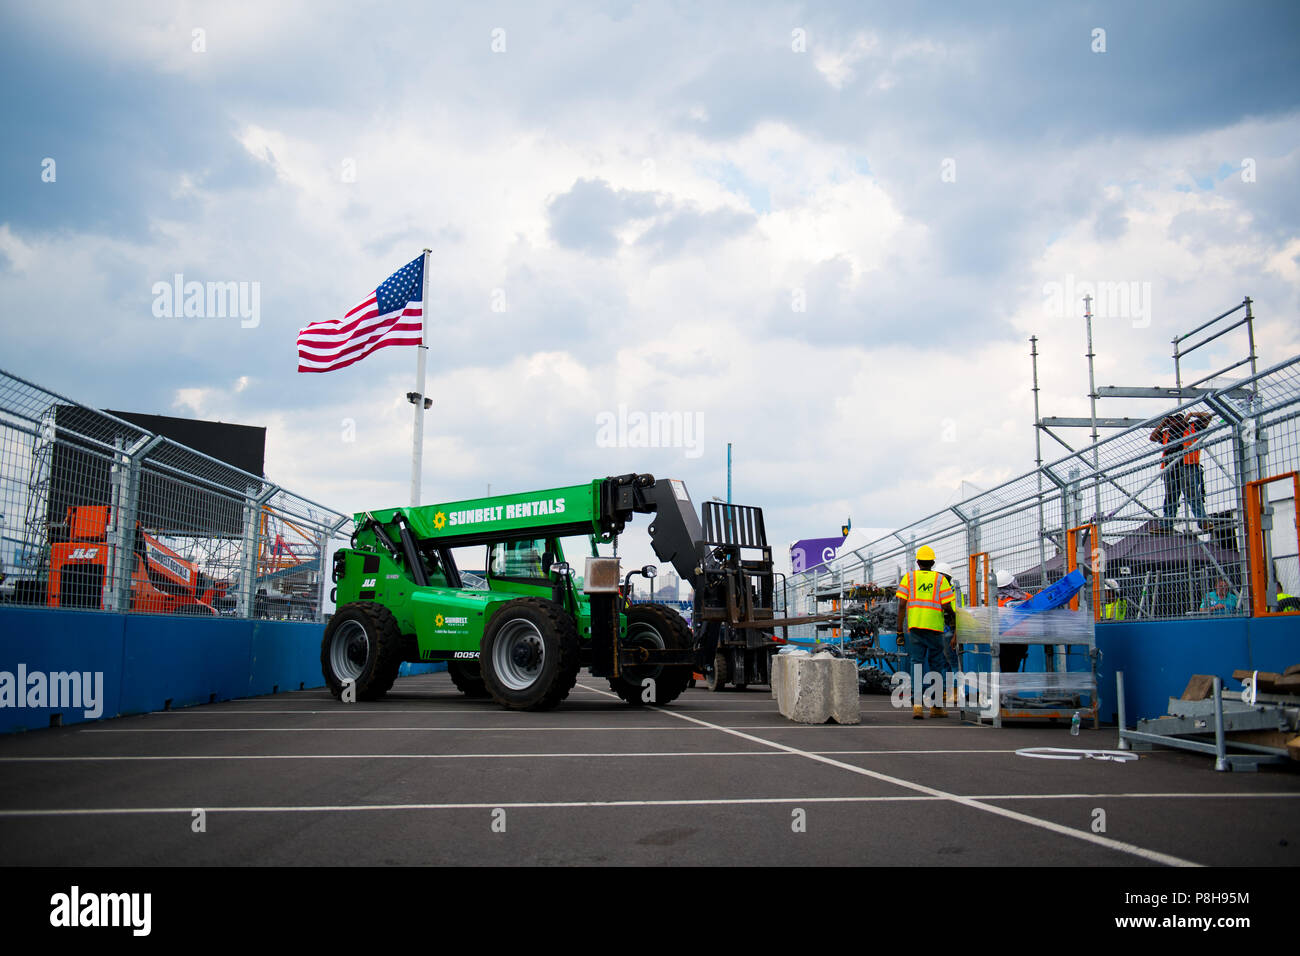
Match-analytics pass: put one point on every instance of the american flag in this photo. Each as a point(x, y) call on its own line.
point(391, 315)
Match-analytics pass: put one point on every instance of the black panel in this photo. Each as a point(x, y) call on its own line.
point(80, 472)
point(243, 446)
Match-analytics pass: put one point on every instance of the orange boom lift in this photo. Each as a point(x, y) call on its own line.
point(162, 582)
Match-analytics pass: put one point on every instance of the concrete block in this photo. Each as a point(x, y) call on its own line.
point(813, 690)
point(775, 658)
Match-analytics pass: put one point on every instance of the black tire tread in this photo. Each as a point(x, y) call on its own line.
point(386, 637)
point(671, 681)
point(717, 680)
point(468, 679)
point(566, 631)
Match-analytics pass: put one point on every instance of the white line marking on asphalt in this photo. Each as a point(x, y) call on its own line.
point(1118, 796)
point(108, 811)
point(1085, 835)
point(223, 709)
point(559, 728)
point(345, 710)
point(330, 730)
point(83, 758)
point(567, 804)
point(680, 753)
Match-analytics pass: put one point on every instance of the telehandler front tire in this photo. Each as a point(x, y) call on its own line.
point(654, 626)
point(530, 656)
point(362, 644)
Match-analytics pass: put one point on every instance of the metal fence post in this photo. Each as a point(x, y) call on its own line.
point(114, 595)
point(253, 503)
point(973, 538)
point(1121, 715)
point(124, 479)
point(327, 566)
point(322, 552)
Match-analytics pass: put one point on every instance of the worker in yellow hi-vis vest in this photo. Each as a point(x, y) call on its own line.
point(951, 654)
point(925, 605)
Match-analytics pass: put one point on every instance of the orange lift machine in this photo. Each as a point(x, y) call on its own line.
point(162, 582)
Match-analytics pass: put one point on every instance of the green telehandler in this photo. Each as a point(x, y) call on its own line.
point(523, 639)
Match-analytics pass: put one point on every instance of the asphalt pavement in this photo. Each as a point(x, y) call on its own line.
point(426, 776)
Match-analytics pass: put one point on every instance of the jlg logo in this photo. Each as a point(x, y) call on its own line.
point(83, 554)
point(368, 583)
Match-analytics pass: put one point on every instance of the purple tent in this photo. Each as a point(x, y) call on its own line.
point(1172, 571)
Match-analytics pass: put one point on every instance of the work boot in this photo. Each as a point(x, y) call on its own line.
point(918, 712)
point(938, 712)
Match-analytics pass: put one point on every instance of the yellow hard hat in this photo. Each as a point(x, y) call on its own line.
point(925, 553)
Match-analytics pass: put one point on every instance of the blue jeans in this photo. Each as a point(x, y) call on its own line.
point(926, 649)
point(1184, 480)
point(951, 656)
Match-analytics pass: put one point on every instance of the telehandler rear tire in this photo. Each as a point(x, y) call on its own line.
point(468, 678)
point(362, 644)
point(530, 655)
point(656, 626)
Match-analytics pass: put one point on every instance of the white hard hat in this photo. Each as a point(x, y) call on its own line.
point(1005, 579)
point(1112, 584)
point(943, 568)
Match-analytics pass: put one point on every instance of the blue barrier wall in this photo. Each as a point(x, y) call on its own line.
point(1159, 657)
point(149, 662)
point(51, 641)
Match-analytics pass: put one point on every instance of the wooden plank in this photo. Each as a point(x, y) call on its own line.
point(1200, 687)
point(1287, 685)
point(1293, 669)
point(1266, 678)
point(1293, 748)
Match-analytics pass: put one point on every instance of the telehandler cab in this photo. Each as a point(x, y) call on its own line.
point(523, 639)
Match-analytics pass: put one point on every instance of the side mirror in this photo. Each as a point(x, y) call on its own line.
point(562, 568)
point(649, 571)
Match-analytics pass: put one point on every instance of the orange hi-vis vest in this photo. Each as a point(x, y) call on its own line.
point(1189, 433)
point(926, 592)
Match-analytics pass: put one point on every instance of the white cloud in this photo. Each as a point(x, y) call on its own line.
point(836, 63)
point(839, 409)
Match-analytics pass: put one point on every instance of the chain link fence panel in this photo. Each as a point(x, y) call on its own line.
point(1159, 517)
point(97, 513)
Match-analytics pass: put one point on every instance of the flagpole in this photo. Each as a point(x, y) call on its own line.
point(422, 351)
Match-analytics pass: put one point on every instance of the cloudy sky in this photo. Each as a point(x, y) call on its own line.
point(822, 232)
